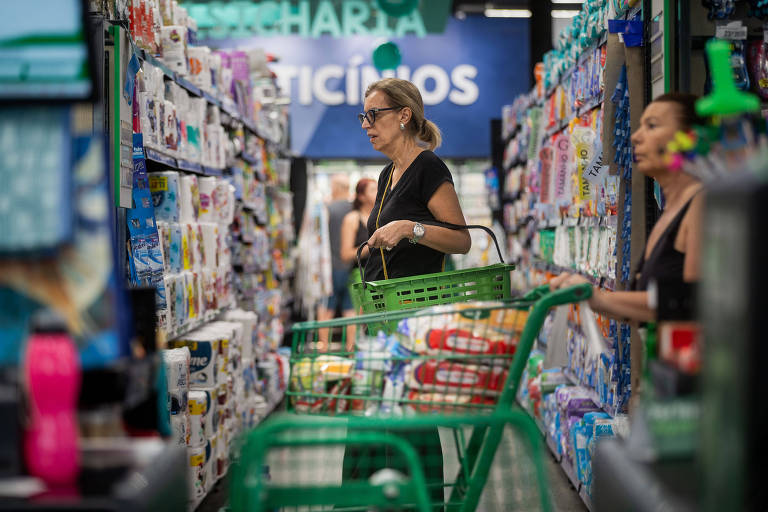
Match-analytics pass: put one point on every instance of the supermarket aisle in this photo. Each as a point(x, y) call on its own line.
point(510, 485)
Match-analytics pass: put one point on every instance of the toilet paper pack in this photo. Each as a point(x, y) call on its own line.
point(207, 189)
point(180, 429)
point(198, 470)
point(210, 256)
point(204, 350)
point(199, 66)
point(199, 412)
point(165, 195)
point(173, 39)
point(189, 199)
point(176, 248)
point(170, 128)
point(177, 367)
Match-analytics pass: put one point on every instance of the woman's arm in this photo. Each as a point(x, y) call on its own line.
point(348, 251)
point(691, 232)
point(444, 205)
point(619, 305)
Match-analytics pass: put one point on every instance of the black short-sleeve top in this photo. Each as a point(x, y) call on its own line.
point(407, 200)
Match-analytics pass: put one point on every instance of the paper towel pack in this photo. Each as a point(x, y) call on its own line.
point(176, 248)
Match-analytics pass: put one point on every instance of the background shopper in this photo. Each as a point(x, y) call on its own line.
point(671, 254)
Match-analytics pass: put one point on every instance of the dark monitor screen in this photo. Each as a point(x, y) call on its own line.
point(44, 51)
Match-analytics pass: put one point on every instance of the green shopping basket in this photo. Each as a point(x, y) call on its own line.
point(415, 420)
point(486, 283)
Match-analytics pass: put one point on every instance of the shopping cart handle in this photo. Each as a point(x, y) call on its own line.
point(577, 293)
point(537, 293)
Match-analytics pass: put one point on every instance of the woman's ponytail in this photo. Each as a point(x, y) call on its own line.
point(430, 134)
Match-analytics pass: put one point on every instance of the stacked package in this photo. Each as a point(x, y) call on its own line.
point(193, 215)
point(177, 124)
point(223, 396)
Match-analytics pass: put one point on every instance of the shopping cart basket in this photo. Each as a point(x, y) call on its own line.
point(485, 283)
point(458, 368)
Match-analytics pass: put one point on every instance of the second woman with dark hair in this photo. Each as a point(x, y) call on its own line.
point(671, 254)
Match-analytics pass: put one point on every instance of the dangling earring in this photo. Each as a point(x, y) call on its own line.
point(402, 127)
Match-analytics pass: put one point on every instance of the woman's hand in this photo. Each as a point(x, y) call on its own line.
point(566, 280)
point(391, 234)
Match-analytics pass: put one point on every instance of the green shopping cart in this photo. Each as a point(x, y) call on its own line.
point(417, 417)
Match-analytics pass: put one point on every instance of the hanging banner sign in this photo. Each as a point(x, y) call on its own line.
point(465, 75)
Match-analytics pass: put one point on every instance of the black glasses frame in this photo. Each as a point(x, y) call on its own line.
point(371, 114)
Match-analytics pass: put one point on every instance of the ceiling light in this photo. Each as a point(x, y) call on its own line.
point(567, 1)
point(564, 13)
point(507, 13)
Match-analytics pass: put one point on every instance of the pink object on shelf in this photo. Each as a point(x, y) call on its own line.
point(52, 376)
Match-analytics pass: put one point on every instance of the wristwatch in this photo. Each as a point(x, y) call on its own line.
point(418, 233)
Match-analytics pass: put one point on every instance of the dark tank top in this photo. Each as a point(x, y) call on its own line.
point(665, 263)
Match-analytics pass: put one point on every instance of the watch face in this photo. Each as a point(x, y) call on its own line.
point(418, 230)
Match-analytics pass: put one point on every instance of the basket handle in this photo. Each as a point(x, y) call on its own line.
point(455, 227)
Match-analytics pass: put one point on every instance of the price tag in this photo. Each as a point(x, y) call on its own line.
point(733, 31)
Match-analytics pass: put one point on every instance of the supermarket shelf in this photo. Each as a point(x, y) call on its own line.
point(567, 468)
point(588, 106)
point(592, 394)
point(180, 164)
point(250, 158)
point(601, 282)
point(552, 447)
point(226, 106)
point(571, 474)
point(209, 316)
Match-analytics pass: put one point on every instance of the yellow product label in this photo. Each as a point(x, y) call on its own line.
point(158, 183)
point(197, 460)
point(584, 190)
point(185, 250)
point(196, 407)
point(224, 344)
point(192, 311)
point(763, 82)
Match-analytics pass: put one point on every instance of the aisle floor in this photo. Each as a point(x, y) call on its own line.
point(510, 486)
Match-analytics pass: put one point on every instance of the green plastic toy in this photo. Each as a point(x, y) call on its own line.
point(725, 99)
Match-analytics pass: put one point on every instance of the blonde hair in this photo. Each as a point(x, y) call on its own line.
point(403, 93)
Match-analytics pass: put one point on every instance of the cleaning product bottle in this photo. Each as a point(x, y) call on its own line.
point(51, 374)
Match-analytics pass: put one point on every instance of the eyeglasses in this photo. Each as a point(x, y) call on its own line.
point(371, 114)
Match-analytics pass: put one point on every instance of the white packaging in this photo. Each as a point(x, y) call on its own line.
point(176, 362)
point(199, 412)
point(180, 429)
point(197, 470)
point(189, 198)
point(199, 70)
point(173, 40)
point(210, 242)
point(248, 321)
point(204, 350)
point(170, 128)
point(207, 189)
